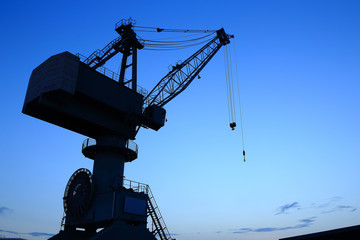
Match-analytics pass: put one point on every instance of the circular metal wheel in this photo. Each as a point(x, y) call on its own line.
point(78, 193)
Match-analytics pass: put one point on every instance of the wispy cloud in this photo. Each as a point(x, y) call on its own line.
point(285, 208)
point(6, 231)
point(34, 234)
point(303, 223)
point(328, 203)
point(340, 208)
point(4, 210)
point(331, 205)
point(38, 234)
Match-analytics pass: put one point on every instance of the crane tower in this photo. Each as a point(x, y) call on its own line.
point(79, 94)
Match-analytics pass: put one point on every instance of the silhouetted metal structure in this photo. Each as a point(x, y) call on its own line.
point(84, 97)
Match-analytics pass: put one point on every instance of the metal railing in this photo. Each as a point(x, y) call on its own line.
point(114, 76)
point(88, 142)
point(153, 208)
point(124, 22)
point(129, 144)
point(136, 186)
point(132, 146)
point(103, 70)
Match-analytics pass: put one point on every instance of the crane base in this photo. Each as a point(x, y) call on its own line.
point(117, 230)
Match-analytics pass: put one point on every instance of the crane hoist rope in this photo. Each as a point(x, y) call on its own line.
point(238, 89)
point(231, 91)
point(227, 88)
point(230, 88)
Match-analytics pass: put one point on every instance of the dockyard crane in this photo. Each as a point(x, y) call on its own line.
point(79, 94)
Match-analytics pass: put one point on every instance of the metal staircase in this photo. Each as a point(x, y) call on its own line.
point(96, 59)
point(159, 228)
point(159, 225)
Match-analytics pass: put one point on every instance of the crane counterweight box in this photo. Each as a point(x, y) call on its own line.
point(68, 93)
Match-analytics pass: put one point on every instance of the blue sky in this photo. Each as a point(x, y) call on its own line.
point(298, 63)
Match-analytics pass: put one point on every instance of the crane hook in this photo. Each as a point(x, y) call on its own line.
point(233, 125)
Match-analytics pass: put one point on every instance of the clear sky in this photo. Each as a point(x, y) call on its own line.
point(299, 72)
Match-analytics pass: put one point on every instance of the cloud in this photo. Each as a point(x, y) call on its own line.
point(340, 208)
point(303, 223)
point(34, 234)
point(332, 205)
point(6, 231)
point(4, 210)
point(38, 234)
point(328, 203)
point(329, 206)
point(350, 208)
point(283, 209)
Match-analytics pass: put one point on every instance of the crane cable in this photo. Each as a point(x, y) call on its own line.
point(230, 88)
point(164, 44)
point(227, 86)
point(238, 88)
point(155, 29)
point(231, 92)
point(175, 45)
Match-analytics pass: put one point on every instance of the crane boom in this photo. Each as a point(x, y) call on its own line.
point(179, 78)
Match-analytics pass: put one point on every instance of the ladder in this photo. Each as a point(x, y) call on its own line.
point(160, 230)
point(99, 57)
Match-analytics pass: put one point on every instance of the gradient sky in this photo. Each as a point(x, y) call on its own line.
point(299, 72)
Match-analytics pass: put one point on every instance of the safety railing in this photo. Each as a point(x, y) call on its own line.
point(103, 70)
point(88, 142)
point(132, 146)
point(124, 22)
point(136, 186)
point(129, 144)
point(139, 89)
point(162, 231)
point(114, 76)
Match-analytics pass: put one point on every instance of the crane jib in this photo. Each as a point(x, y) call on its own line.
point(182, 74)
